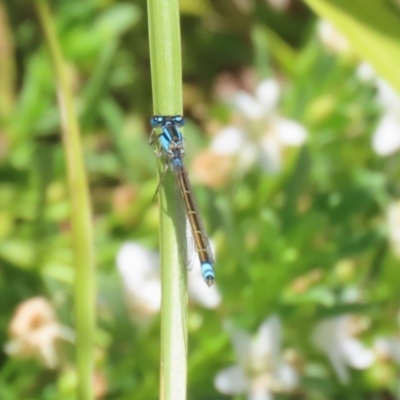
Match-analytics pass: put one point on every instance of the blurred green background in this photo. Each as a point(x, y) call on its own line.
point(292, 139)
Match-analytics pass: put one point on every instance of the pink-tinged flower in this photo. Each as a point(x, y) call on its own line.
point(336, 337)
point(245, 6)
point(260, 132)
point(140, 272)
point(261, 369)
point(34, 331)
point(212, 170)
point(331, 38)
point(279, 5)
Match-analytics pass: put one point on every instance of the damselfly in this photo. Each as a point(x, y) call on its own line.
point(172, 146)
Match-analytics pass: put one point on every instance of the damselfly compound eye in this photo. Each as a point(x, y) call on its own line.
point(178, 120)
point(157, 121)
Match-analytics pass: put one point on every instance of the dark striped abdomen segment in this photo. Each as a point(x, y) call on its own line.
point(196, 224)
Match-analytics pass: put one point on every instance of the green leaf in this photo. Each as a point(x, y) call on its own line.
point(372, 29)
point(18, 252)
point(117, 20)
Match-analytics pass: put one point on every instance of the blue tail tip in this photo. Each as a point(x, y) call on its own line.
point(209, 280)
point(208, 273)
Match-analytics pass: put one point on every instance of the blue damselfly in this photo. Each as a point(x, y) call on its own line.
point(172, 147)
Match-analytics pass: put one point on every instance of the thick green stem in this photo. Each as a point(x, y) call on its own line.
point(166, 73)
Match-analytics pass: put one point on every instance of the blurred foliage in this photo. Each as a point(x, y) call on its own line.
point(374, 32)
point(325, 210)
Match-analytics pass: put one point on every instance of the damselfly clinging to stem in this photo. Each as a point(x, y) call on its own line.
point(172, 147)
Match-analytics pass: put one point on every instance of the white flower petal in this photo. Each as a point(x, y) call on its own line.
point(139, 269)
point(231, 380)
point(267, 342)
point(248, 105)
point(135, 262)
point(271, 154)
point(229, 141)
point(333, 336)
point(387, 97)
point(242, 343)
point(365, 72)
point(149, 297)
point(386, 139)
point(290, 133)
point(268, 93)
point(326, 336)
point(331, 38)
point(338, 364)
point(381, 347)
point(287, 377)
point(247, 156)
point(357, 355)
point(394, 348)
point(261, 360)
point(260, 393)
point(393, 220)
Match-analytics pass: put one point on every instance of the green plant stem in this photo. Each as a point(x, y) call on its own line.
point(7, 67)
point(82, 235)
point(166, 74)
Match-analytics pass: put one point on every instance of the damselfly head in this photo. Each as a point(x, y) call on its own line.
point(158, 121)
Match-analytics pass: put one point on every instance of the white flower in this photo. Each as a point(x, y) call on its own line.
point(365, 72)
point(264, 103)
point(264, 134)
point(139, 269)
point(261, 369)
point(229, 141)
point(393, 219)
point(388, 348)
point(140, 272)
point(331, 38)
point(234, 142)
point(334, 337)
point(387, 97)
point(386, 138)
point(34, 330)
